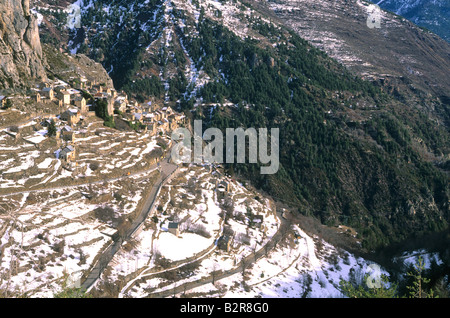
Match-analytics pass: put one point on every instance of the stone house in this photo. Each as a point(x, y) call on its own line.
point(173, 123)
point(44, 85)
point(180, 118)
point(37, 97)
point(152, 128)
point(163, 125)
point(120, 104)
point(148, 118)
point(80, 103)
point(133, 109)
point(90, 83)
point(67, 134)
point(167, 110)
point(68, 154)
point(138, 117)
point(48, 92)
point(224, 243)
point(64, 96)
point(147, 107)
point(72, 116)
point(2, 101)
point(80, 83)
point(59, 88)
point(98, 88)
point(158, 115)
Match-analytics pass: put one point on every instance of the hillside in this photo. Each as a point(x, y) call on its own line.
point(410, 63)
point(91, 195)
point(363, 151)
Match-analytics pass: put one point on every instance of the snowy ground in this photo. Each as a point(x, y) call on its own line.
point(47, 234)
point(42, 242)
point(299, 271)
point(100, 153)
point(191, 200)
point(411, 258)
point(296, 268)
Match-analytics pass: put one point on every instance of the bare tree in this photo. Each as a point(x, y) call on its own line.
point(123, 225)
point(214, 272)
point(244, 265)
point(267, 248)
point(174, 290)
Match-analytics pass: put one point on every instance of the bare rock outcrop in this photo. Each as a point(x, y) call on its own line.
point(21, 59)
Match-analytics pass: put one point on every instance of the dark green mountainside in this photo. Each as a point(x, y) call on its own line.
point(363, 173)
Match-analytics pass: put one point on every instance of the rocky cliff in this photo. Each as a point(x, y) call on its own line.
point(20, 47)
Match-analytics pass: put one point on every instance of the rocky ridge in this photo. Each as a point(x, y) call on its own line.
point(21, 58)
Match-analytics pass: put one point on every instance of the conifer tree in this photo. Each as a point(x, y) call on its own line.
point(51, 129)
point(417, 289)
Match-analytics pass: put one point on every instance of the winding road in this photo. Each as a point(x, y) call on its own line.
point(214, 277)
point(166, 170)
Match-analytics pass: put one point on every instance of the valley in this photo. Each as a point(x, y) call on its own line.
point(92, 202)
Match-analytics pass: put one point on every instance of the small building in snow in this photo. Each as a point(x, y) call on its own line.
point(258, 221)
point(224, 243)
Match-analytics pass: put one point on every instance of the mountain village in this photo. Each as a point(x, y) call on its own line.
point(74, 114)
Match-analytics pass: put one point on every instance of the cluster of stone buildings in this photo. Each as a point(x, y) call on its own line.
point(74, 107)
point(153, 117)
point(158, 120)
point(70, 97)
